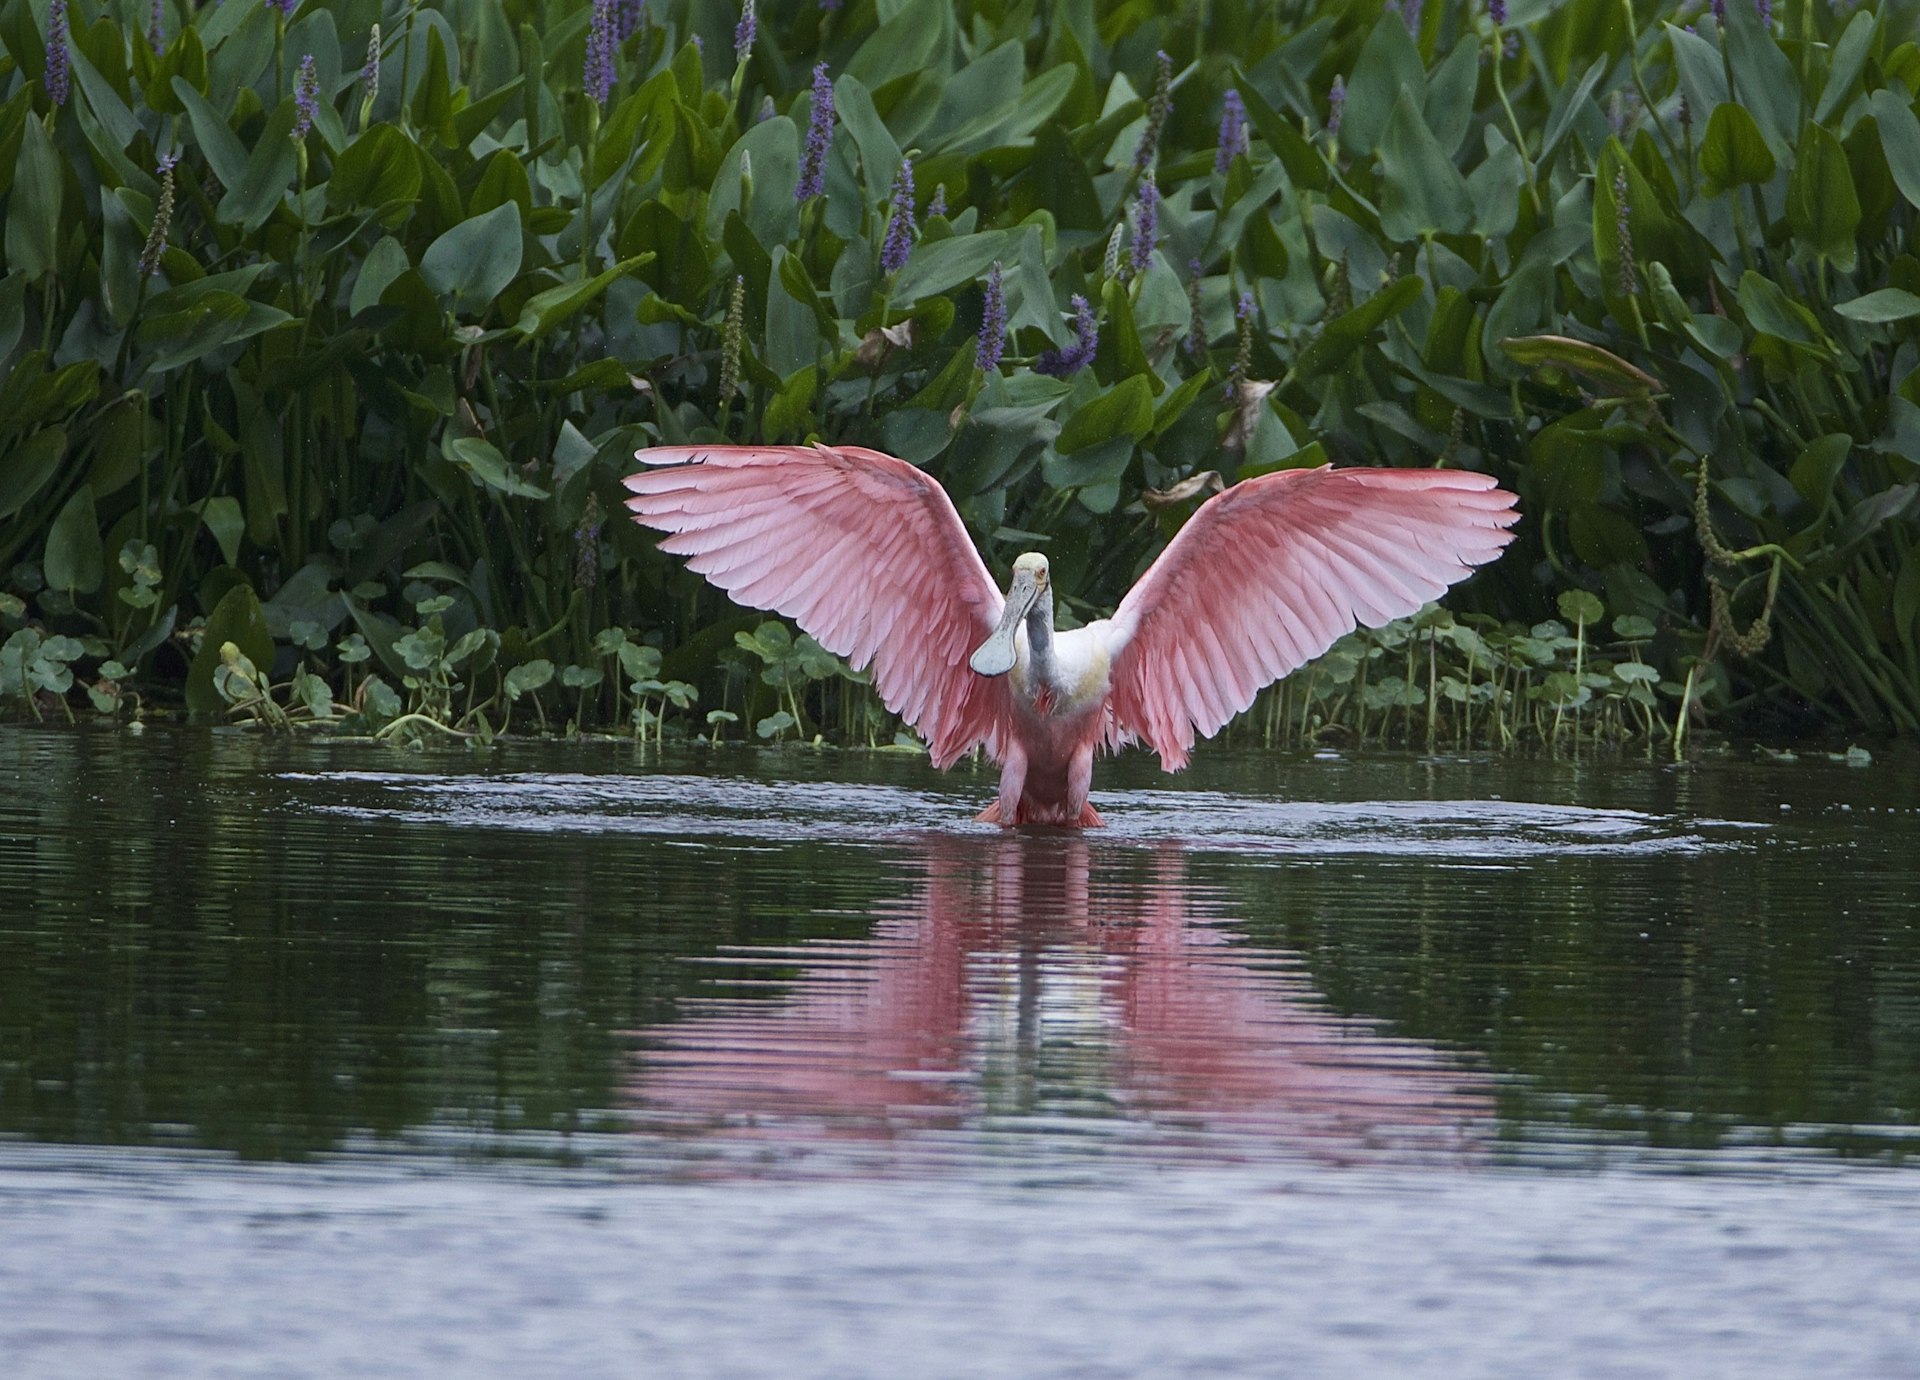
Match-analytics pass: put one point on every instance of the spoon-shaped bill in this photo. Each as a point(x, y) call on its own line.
point(994, 657)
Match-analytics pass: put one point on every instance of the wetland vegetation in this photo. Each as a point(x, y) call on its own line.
point(329, 332)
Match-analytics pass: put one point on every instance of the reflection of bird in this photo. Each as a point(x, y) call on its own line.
point(1022, 978)
point(867, 554)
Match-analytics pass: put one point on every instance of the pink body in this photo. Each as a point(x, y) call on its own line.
point(866, 553)
point(1046, 769)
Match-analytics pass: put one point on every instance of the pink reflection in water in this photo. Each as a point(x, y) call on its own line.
point(1043, 982)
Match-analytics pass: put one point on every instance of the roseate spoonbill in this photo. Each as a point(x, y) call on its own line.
point(866, 553)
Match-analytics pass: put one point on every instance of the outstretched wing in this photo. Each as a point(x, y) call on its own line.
point(1268, 575)
point(862, 550)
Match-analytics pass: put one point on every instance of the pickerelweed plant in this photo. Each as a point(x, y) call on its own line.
point(314, 317)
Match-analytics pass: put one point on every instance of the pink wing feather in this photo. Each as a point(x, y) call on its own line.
point(862, 550)
point(1268, 575)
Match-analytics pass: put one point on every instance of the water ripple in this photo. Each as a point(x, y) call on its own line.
point(1492, 830)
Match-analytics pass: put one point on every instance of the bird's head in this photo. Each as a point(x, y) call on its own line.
point(1032, 578)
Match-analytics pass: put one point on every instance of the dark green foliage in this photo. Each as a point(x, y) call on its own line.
point(385, 378)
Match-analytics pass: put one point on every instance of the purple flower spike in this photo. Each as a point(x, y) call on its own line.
point(813, 160)
point(1146, 225)
point(1336, 102)
point(937, 203)
point(627, 18)
point(1233, 132)
point(156, 28)
point(1720, 13)
point(286, 7)
point(744, 32)
point(1410, 10)
point(899, 241)
point(59, 70)
point(993, 325)
point(598, 73)
point(1243, 309)
point(1764, 8)
point(1065, 363)
point(1497, 12)
point(306, 98)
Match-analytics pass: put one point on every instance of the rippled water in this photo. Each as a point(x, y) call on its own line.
point(319, 1058)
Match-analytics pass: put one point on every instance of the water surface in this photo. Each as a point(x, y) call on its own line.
point(574, 1050)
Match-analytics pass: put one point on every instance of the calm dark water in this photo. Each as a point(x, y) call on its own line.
point(320, 1058)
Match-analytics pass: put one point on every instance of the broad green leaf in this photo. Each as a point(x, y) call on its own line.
point(1818, 466)
point(1340, 337)
point(1906, 604)
point(13, 315)
point(184, 64)
point(983, 92)
point(1702, 74)
point(1123, 411)
point(945, 264)
point(26, 468)
point(475, 260)
point(384, 262)
point(210, 321)
point(1657, 230)
point(219, 145)
point(1900, 141)
point(879, 154)
point(483, 460)
point(1568, 105)
point(224, 519)
point(1874, 512)
point(1849, 59)
point(528, 676)
point(1000, 126)
point(269, 176)
point(1579, 606)
point(1768, 85)
point(915, 434)
point(1769, 309)
point(75, 561)
point(433, 93)
point(1098, 465)
point(1388, 68)
point(1120, 337)
point(503, 180)
point(793, 330)
point(789, 411)
point(1057, 181)
point(906, 42)
point(470, 120)
point(771, 149)
point(379, 168)
point(116, 120)
point(1732, 153)
point(1822, 206)
point(545, 310)
point(1422, 193)
point(1448, 110)
point(1304, 166)
point(238, 619)
point(1878, 308)
point(33, 207)
point(1599, 367)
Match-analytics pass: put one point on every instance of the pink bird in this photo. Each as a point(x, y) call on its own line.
point(866, 553)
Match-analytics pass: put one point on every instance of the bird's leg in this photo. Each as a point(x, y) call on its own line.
point(1005, 809)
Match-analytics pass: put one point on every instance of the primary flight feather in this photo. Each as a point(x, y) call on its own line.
point(866, 553)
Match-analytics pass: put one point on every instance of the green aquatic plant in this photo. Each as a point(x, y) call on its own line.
point(1437, 682)
point(1658, 280)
